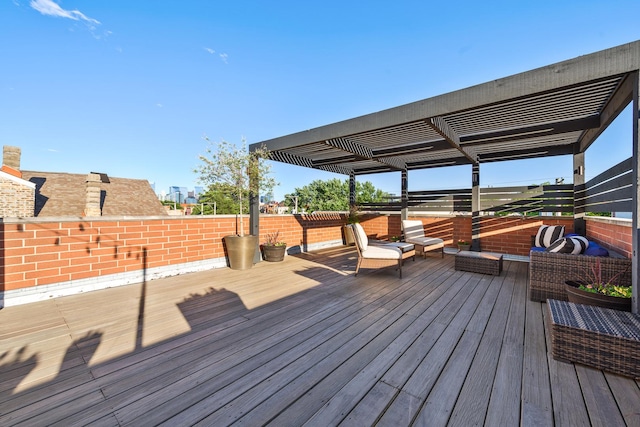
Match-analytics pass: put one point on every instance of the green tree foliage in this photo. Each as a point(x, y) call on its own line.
point(243, 171)
point(222, 196)
point(333, 195)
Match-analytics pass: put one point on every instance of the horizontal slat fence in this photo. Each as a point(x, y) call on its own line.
point(501, 200)
point(611, 191)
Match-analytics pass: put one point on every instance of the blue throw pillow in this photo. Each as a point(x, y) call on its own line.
point(538, 249)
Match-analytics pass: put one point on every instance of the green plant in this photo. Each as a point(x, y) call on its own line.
point(353, 216)
point(394, 238)
point(463, 242)
point(595, 282)
point(272, 240)
point(243, 171)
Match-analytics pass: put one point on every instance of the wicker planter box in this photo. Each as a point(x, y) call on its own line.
point(595, 336)
point(479, 262)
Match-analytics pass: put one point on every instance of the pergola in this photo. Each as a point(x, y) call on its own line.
point(559, 109)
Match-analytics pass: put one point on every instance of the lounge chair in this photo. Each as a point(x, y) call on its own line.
point(376, 255)
point(414, 233)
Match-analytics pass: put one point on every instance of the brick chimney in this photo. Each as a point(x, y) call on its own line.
point(92, 200)
point(11, 156)
point(11, 160)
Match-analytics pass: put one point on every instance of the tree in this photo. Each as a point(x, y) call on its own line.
point(333, 195)
point(243, 171)
point(220, 195)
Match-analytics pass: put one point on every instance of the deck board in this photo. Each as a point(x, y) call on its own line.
point(301, 341)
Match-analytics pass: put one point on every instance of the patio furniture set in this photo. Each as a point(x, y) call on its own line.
point(379, 254)
point(595, 336)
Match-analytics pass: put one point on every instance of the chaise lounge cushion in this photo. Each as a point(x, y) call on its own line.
point(595, 249)
point(382, 252)
point(361, 236)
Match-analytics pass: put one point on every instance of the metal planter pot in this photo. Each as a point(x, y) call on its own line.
point(241, 251)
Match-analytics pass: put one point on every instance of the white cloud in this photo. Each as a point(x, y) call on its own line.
point(159, 105)
point(51, 8)
point(223, 56)
point(52, 150)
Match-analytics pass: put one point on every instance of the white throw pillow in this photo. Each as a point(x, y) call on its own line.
point(569, 245)
point(548, 234)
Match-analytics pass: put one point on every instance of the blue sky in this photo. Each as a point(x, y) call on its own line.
point(130, 88)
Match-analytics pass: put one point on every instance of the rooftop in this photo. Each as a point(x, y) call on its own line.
point(61, 194)
point(302, 340)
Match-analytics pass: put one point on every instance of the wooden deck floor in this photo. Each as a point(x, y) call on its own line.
point(302, 341)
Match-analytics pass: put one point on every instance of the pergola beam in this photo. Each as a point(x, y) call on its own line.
point(365, 153)
point(618, 102)
point(618, 60)
point(441, 126)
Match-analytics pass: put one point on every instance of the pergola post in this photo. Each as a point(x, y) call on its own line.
point(636, 194)
point(404, 195)
point(254, 220)
point(475, 207)
point(579, 225)
point(352, 191)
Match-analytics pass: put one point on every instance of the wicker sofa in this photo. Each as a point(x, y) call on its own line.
point(548, 271)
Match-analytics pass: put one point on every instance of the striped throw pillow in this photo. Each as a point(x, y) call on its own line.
point(569, 245)
point(547, 234)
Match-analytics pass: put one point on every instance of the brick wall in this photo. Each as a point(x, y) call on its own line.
point(16, 199)
point(42, 252)
point(38, 253)
point(613, 234)
point(510, 235)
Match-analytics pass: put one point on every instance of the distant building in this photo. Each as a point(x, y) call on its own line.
point(17, 195)
point(95, 194)
point(177, 194)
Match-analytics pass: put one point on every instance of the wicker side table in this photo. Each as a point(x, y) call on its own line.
point(479, 262)
point(600, 337)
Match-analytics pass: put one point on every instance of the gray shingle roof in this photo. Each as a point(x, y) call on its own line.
point(63, 194)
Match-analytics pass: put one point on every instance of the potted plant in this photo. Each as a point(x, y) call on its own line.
point(595, 289)
point(245, 173)
point(273, 250)
point(463, 245)
point(352, 218)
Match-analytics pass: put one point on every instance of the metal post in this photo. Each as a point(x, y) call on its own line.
point(352, 191)
point(636, 194)
point(404, 194)
point(254, 220)
point(475, 207)
point(579, 224)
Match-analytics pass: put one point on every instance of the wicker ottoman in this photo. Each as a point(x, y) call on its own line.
point(479, 262)
point(600, 337)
